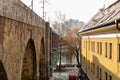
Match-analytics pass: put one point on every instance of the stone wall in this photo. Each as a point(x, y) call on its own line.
point(16, 10)
point(18, 25)
point(13, 45)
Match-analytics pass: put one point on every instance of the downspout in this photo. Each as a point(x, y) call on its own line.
point(80, 68)
point(117, 27)
point(80, 51)
point(81, 56)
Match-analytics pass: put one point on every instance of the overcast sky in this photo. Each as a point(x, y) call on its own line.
point(82, 10)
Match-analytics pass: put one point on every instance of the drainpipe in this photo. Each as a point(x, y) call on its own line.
point(80, 51)
point(117, 26)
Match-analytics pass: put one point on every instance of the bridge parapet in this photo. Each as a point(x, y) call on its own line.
point(17, 10)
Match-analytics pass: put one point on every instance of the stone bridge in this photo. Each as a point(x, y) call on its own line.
point(24, 43)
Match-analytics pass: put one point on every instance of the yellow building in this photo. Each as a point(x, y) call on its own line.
point(101, 44)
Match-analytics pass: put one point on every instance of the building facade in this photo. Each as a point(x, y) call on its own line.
point(101, 44)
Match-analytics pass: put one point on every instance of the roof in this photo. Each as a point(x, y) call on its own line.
point(105, 15)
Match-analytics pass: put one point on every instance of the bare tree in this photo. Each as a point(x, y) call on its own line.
point(73, 43)
point(61, 27)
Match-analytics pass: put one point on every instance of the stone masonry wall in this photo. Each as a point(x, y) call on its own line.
point(18, 24)
point(16, 10)
point(15, 36)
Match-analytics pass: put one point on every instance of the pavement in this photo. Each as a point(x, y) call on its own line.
point(69, 72)
point(83, 76)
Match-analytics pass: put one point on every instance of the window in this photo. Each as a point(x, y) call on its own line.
point(110, 77)
point(88, 45)
point(93, 68)
point(84, 60)
point(93, 46)
point(97, 72)
point(100, 74)
point(119, 52)
point(110, 56)
point(100, 48)
point(106, 76)
point(84, 43)
point(88, 64)
point(97, 47)
point(105, 49)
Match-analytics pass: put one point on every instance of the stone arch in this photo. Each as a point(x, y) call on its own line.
point(29, 70)
point(42, 68)
point(3, 75)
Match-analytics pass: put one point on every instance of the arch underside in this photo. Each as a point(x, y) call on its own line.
point(29, 62)
point(3, 75)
